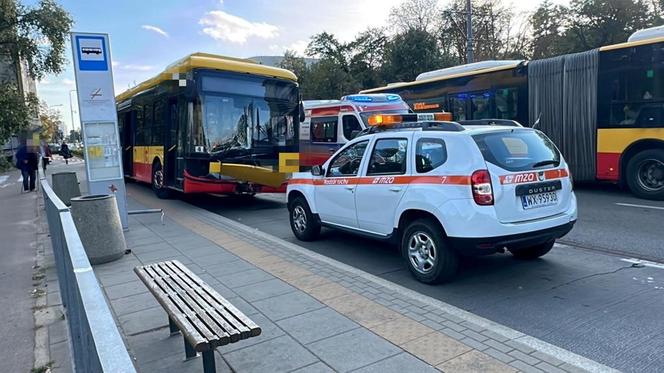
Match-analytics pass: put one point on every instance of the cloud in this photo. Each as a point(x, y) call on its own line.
point(134, 67)
point(227, 27)
point(155, 29)
point(298, 47)
point(68, 82)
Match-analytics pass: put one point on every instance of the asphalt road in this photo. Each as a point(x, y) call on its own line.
point(612, 220)
point(581, 299)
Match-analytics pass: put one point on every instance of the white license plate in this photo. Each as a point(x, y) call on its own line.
point(539, 200)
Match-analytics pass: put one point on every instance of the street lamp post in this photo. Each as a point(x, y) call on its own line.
point(71, 109)
point(469, 33)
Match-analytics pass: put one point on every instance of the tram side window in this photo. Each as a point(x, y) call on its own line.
point(324, 129)
point(631, 87)
point(506, 103)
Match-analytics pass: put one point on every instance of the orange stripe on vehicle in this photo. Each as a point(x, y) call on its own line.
point(301, 181)
point(533, 176)
point(391, 180)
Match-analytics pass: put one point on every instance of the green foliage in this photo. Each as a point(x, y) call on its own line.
point(588, 24)
point(410, 53)
point(33, 37)
point(75, 135)
point(50, 124)
point(16, 110)
point(36, 35)
point(5, 164)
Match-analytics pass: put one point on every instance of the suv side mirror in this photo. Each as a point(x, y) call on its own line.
point(317, 170)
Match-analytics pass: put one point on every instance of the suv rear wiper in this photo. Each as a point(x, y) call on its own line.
point(545, 163)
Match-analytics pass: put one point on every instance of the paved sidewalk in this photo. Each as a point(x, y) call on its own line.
point(317, 315)
point(18, 248)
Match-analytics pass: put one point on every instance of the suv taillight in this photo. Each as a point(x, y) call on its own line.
point(480, 183)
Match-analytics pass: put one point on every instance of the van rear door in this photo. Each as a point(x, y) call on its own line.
point(528, 175)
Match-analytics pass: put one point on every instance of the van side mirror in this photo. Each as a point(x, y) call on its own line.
point(317, 170)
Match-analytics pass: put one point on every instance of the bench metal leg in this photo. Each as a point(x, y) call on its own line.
point(172, 327)
point(208, 362)
point(189, 351)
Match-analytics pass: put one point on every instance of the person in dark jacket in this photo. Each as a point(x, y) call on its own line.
point(46, 155)
point(27, 160)
point(65, 152)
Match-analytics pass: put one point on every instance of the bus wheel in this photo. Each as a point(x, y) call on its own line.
point(158, 185)
point(645, 174)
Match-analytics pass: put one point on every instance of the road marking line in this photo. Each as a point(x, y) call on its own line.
point(646, 263)
point(641, 206)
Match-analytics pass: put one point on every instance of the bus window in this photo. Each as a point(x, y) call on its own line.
point(630, 87)
point(324, 129)
point(480, 108)
point(506, 103)
point(140, 126)
point(458, 104)
point(350, 124)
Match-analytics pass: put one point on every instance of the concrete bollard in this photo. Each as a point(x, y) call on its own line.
point(65, 185)
point(98, 223)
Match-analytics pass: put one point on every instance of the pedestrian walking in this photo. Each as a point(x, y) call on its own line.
point(46, 155)
point(27, 160)
point(65, 152)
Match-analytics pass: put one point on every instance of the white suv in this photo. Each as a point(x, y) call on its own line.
point(441, 190)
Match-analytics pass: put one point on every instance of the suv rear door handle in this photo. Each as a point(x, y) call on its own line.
point(395, 189)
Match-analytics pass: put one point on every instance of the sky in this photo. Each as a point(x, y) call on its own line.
point(148, 35)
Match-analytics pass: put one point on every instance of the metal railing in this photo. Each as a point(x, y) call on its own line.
point(95, 341)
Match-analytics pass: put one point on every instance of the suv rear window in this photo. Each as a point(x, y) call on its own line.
point(518, 150)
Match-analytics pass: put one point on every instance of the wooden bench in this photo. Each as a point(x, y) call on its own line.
point(205, 319)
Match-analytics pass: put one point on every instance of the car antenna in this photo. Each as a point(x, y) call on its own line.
point(537, 121)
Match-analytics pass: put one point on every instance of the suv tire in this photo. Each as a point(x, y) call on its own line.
point(423, 242)
point(533, 252)
point(644, 174)
point(304, 224)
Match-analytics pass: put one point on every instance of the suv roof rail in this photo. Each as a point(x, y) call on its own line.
point(490, 122)
point(424, 126)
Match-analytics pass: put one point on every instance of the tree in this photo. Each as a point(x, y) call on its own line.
point(421, 15)
point(595, 23)
point(331, 76)
point(411, 53)
point(326, 46)
point(549, 24)
point(15, 110)
point(588, 24)
point(297, 65)
point(498, 33)
point(74, 136)
point(33, 37)
point(50, 123)
point(368, 54)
